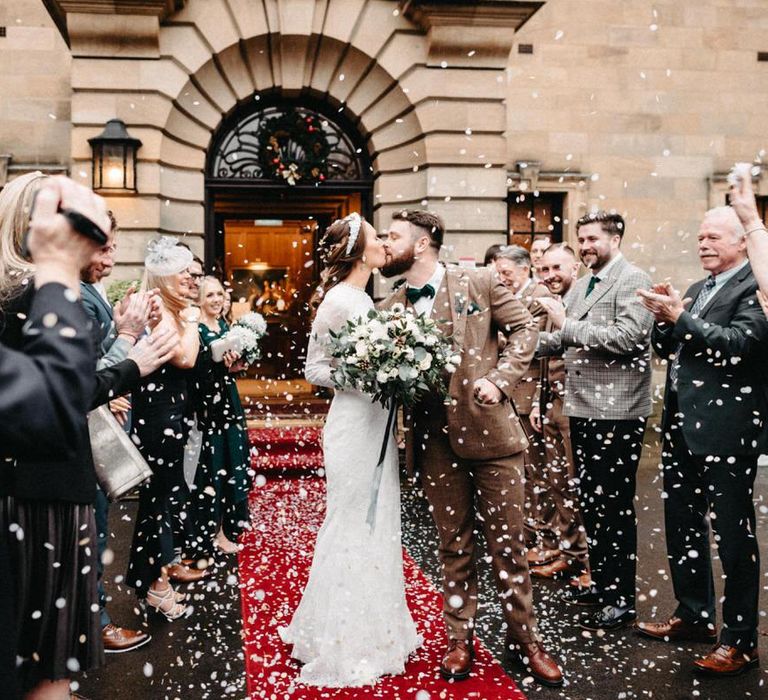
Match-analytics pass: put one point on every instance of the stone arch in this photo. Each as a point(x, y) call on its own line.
point(371, 97)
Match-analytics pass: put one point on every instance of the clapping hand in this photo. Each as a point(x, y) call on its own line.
point(131, 315)
point(555, 310)
point(664, 302)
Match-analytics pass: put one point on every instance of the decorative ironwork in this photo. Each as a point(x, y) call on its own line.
point(239, 154)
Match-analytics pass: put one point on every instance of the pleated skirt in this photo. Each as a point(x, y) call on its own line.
point(52, 549)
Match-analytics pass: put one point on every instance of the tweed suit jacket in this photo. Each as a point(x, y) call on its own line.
point(722, 381)
point(473, 306)
point(606, 344)
point(527, 388)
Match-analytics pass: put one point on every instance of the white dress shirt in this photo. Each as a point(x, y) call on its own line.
point(424, 305)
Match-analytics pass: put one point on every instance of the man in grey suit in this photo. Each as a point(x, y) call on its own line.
point(605, 336)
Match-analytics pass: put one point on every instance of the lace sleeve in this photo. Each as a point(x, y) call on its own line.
point(318, 368)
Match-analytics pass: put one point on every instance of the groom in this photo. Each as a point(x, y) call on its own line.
point(468, 449)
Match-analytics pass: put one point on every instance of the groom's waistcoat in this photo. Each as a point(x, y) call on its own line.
point(472, 306)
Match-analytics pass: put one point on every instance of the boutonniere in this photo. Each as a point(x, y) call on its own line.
point(473, 308)
point(460, 302)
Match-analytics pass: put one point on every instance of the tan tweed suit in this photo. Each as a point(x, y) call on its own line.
point(469, 455)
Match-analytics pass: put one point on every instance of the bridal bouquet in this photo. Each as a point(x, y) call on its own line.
point(394, 355)
point(243, 338)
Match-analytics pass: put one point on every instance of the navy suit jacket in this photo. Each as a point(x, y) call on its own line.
point(97, 308)
point(722, 386)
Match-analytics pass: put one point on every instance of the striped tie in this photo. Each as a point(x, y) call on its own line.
point(698, 305)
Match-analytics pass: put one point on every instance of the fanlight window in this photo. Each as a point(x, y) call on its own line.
point(293, 146)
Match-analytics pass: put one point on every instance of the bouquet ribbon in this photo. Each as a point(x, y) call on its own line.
point(379, 469)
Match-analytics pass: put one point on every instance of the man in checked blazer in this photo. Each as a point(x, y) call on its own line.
point(605, 336)
point(714, 428)
point(468, 447)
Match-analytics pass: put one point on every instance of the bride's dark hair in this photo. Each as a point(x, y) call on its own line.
point(333, 253)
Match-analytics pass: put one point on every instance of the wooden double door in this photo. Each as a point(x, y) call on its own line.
point(268, 252)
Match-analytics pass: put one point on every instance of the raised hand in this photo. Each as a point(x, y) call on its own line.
point(132, 314)
point(555, 310)
point(154, 350)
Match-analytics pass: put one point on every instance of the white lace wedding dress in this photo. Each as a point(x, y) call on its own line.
point(352, 625)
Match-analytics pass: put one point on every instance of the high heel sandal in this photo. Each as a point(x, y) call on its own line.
point(161, 601)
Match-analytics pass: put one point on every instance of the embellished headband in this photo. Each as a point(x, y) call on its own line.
point(355, 222)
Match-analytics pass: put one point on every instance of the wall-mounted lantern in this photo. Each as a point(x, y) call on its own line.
point(114, 159)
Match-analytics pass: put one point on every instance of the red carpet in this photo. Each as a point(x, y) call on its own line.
point(274, 566)
point(286, 450)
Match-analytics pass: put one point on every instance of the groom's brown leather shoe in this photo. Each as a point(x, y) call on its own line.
point(726, 661)
point(457, 661)
point(677, 630)
point(553, 569)
point(535, 659)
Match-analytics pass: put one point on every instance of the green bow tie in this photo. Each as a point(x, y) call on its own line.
point(413, 294)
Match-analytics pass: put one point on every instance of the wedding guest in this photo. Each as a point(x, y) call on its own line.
point(742, 199)
point(605, 336)
point(513, 267)
point(558, 268)
point(51, 498)
point(539, 246)
point(491, 253)
point(160, 426)
point(715, 425)
point(196, 275)
point(118, 331)
point(47, 383)
point(219, 505)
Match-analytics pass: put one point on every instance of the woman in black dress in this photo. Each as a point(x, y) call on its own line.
point(219, 505)
point(161, 419)
point(46, 506)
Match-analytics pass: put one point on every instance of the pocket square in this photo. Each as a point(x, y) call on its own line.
point(473, 308)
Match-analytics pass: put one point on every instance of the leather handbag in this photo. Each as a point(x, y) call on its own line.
point(120, 468)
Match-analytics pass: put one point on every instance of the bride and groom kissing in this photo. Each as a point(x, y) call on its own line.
point(352, 625)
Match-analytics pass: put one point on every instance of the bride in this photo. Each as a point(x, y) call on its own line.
point(352, 625)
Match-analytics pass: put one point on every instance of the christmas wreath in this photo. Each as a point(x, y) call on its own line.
point(293, 148)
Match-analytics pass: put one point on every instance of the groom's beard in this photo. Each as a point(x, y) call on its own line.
point(399, 265)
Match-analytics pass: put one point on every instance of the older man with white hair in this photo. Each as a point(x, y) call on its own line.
point(715, 424)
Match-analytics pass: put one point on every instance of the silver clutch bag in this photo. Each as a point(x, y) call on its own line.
point(120, 468)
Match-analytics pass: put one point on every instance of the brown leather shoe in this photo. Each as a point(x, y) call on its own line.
point(553, 569)
point(677, 630)
point(183, 573)
point(537, 557)
point(457, 660)
point(543, 667)
point(726, 661)
point(119, 639)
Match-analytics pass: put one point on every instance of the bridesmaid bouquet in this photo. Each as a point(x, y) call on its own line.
point(394, 355)
point(243, 338)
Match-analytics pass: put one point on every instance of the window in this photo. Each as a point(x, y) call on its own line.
point(533, 214)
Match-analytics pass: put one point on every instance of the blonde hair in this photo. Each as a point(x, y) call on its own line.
point(173, 303)
point(15, 210)
point(207, 280)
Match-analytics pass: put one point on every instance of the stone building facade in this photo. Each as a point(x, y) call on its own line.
point(473, 109)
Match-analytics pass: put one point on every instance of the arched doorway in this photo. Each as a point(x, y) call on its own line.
point(278, 172)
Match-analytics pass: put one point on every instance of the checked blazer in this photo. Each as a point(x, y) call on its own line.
point(606, 344)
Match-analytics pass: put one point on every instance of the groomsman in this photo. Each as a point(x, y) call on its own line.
point(116, 337)
point(714, 426)
point(606, 337)
point(558, 268)
point(512, 264)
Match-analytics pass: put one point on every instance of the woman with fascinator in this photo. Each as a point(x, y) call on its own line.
point(352, 625)
point(161, 422)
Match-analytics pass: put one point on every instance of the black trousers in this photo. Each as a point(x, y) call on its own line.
point(720, 486)
point(607, 453)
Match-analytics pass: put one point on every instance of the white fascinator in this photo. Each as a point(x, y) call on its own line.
point(166, 257)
